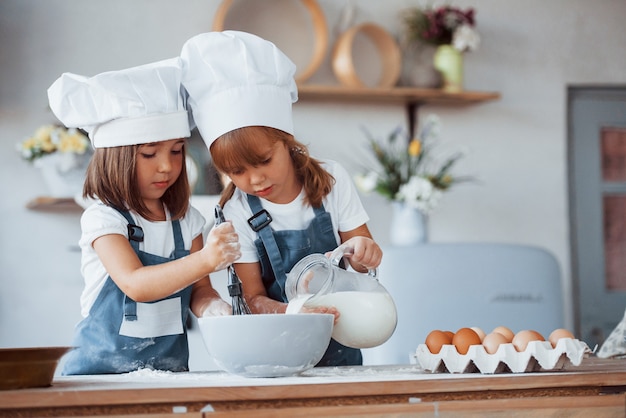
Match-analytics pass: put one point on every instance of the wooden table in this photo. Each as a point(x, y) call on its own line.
point(597, 388)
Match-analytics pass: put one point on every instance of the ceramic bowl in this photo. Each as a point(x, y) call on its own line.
point(266, 345)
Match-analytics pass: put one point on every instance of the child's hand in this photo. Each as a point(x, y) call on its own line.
point(222, 246)
point(217, 307)
point(322, 310)
point(367, 254)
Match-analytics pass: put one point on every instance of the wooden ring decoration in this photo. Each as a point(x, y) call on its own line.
point(319, 26)
point(387, 47)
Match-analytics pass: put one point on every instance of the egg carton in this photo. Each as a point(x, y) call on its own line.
point(538, 356)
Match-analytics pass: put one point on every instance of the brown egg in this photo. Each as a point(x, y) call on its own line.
point(464, 338)
point(492, 342)
point(480, 332)
point(522, 338)
point(437, 338)
point(450, 334)
point(508, 334)
point(557, 334)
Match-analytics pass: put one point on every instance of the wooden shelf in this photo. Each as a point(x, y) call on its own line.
point(53, 204)
point(398, 95)
point(410, 97)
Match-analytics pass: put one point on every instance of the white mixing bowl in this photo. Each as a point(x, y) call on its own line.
point(267, 345)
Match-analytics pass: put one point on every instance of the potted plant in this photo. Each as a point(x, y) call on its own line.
point(408, 175)
point(62, 155)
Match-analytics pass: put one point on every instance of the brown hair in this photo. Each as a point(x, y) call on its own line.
point(242, 147)
point(112, 178)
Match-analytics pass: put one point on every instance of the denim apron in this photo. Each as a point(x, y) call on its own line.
point(120, 335)
point(279, 251)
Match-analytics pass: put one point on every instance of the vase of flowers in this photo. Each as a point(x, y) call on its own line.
point(408, 175)
point(61, 154)
point(409, 225)
point(452, 30)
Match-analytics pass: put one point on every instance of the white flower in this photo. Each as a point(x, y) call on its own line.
point(366, 183)
point(419, 193)
point(465, 38)
point(26, 153)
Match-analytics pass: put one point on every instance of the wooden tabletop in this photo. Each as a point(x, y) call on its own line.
point(364, 390)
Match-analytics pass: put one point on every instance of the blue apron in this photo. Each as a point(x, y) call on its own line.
point(101, 347)
point(279, 251)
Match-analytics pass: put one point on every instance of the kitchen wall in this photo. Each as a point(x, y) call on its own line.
point(531, 52)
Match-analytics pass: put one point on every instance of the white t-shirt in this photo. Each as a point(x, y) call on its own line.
point(343, 204)
point(99, 219)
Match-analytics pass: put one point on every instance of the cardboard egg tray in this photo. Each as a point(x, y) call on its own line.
point(538, 356)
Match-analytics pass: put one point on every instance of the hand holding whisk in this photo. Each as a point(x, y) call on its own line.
point(240, 307)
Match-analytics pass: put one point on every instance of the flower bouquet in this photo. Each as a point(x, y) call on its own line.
point(407, 171)
point(62, 155)
point(445, 25)
point(452, 31)
point(48, 139)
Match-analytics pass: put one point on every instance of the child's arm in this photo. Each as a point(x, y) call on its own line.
point(367, 254)
point(149, 283)
point(205, 300)
point(254, 291)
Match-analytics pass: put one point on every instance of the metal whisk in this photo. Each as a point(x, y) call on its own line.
point(240, 307)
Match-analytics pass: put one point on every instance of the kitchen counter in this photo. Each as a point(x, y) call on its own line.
point(595, 388)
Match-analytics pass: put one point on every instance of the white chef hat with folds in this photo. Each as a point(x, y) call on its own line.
point(237, 79)
point(137, 105)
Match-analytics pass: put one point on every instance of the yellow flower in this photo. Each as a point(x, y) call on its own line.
point(29, 143)
point(72, 141)
point(48, 139)
point(42, 134)
point(415, 147)
point(47, 146)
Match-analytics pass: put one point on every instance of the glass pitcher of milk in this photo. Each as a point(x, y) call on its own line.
point(368, 314)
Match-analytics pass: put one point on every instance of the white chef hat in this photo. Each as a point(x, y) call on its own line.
point(236, 79)
point(133, 106)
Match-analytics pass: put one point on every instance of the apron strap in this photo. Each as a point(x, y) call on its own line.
point(259, 222)
point(135, 233)
point(179, 242)
point(135, 236)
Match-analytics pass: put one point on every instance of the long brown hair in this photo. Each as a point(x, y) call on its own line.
point(242, 147)
point(112, 178)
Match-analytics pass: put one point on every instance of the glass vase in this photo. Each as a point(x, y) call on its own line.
point(449, 61)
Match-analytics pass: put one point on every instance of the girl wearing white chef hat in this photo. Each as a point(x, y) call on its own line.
point(143, 258)
point(284, 204)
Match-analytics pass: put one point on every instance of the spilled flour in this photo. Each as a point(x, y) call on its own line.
point(148, 378)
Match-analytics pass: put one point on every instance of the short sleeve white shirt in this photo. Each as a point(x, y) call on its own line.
point(343, 204)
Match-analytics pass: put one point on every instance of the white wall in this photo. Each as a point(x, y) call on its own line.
point(531, 51)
